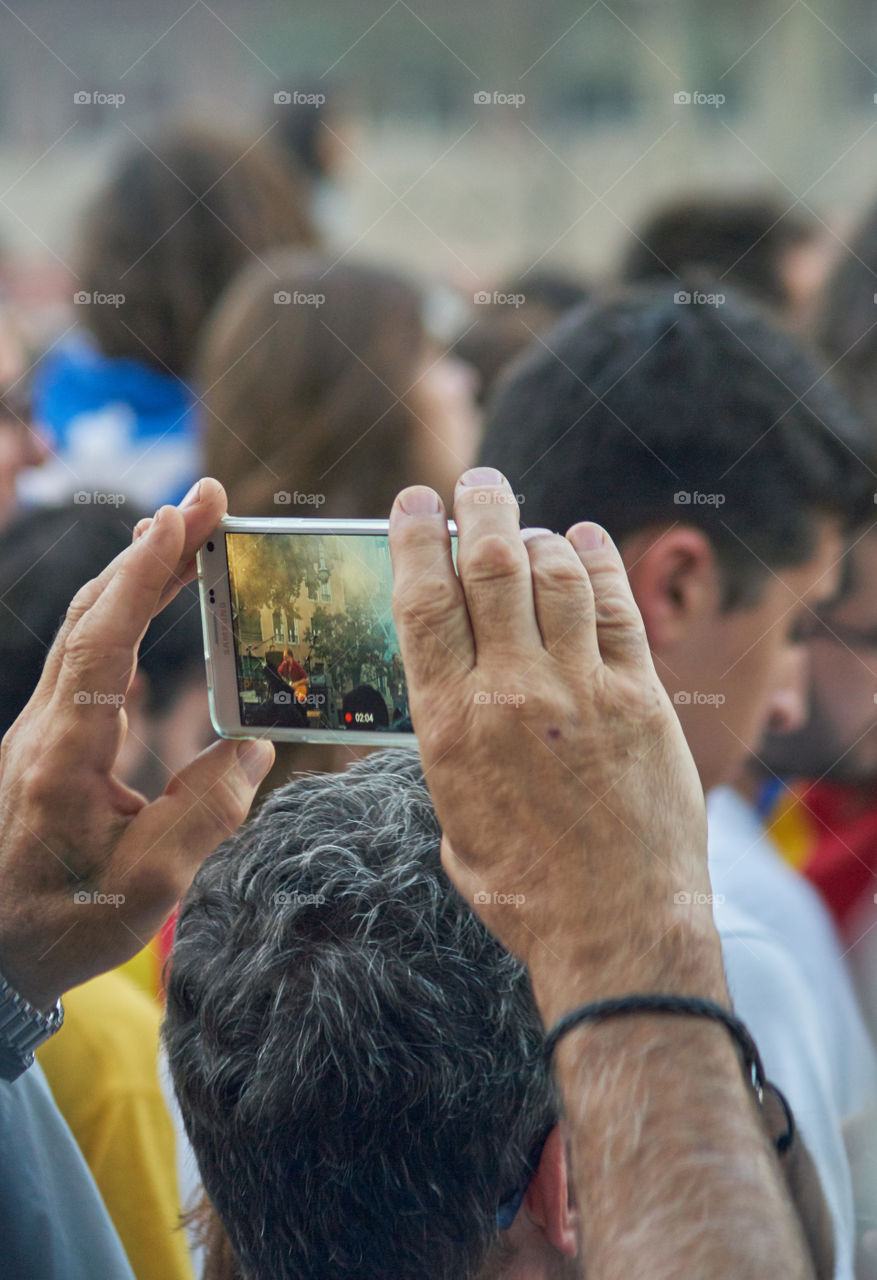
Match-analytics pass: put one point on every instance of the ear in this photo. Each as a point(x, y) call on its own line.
point(676, 581)
point(547, 1199)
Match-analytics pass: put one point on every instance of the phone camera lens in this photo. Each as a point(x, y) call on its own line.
point(209, 546)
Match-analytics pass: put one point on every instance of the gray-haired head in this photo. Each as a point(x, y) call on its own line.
point(357, 1060)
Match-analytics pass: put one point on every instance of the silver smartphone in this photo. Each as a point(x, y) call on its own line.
point(299, 639)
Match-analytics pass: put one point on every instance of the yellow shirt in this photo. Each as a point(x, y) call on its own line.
point(102, 1068)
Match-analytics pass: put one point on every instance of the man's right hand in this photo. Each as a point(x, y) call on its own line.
point(89, 870)
point(571, 808)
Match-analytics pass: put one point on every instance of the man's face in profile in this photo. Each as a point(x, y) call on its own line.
point(839, 739)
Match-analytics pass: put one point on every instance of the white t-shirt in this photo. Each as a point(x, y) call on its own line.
point(789, 984)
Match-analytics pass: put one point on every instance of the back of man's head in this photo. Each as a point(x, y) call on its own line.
point(743, 241)
point(648, 408)
point(357, 1059)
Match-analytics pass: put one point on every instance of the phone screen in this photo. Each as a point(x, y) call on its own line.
point(315, 647)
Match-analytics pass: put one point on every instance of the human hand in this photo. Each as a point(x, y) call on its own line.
point(89, 869)
point(572, 812)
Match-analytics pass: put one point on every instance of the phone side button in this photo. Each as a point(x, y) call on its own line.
point(209, 666)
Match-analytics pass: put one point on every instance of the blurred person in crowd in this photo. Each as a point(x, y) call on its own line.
point(371, 1096)
point(173, 223)
point(22, 444)
point(505, 321)
point(728, 469)
point(818, 787)
point(312, 122)
point(324, 393)
point(103, 1066)
point(756, 243)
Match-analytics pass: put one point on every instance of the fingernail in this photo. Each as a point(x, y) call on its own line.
point(586, 537)
point(255, 758)
point(534, 532)
point(419, 501)
point(482, 476)
point(141, 526)
point(192, 496)
point(157, 519)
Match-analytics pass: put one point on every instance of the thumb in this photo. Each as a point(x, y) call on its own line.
point(202, 805)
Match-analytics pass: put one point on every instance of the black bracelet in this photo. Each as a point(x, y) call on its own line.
point(690, 1006)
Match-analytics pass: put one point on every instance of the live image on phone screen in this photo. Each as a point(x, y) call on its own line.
point(314, 640)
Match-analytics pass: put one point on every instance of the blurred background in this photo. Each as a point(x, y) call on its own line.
point(468, 140)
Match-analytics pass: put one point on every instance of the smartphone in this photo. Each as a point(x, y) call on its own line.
point(299, 638)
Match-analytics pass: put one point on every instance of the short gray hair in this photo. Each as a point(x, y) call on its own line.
point(358, 1061)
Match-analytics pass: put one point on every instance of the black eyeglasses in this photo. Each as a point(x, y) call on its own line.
point(508, 1209)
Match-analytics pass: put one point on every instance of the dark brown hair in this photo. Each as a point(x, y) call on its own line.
point(175, 221)
point(304, 381)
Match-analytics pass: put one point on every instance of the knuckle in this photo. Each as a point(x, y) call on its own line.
point(226, 805)
point(429, 599)
point(491, 556)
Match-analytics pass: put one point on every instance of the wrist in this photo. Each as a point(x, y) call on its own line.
point(685, 960)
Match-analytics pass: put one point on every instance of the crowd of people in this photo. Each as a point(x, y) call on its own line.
point(586, 984)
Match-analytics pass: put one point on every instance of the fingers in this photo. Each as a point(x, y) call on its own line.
point(493, 564)
point(202, 806)
point(620, 631)
point(99, 654)
point(428, 603)
point(564, 600)
point(201, 510)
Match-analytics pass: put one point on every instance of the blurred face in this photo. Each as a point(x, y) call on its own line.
point(736, 674)
point(20, 444)
point(839, 738)
point(443, 401)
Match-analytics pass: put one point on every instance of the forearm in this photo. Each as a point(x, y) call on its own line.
point(673, 1173)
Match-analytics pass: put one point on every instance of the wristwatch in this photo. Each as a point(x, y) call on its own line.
point(22, 1029)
